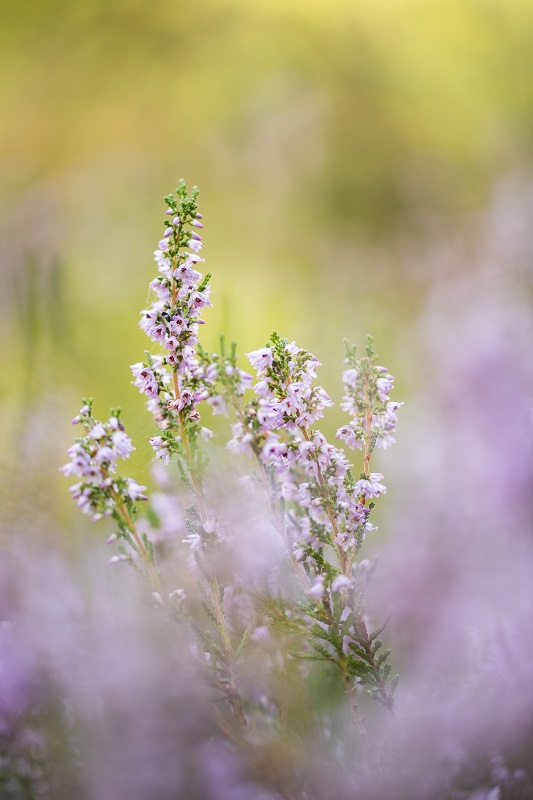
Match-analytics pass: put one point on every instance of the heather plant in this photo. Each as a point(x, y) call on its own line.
point(310, 609)
point(229, 651)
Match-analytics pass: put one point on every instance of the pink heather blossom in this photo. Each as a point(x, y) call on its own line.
point(145, 379)
point(370, 487)
point(384, 385)
point(348, 434)
point(273, 451)
point(186, 274)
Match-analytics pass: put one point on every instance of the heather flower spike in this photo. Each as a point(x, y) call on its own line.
point(100, 492)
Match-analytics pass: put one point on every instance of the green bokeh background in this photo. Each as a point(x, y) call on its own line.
point(338, 146)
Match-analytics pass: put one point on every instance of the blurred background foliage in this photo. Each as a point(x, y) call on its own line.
point(355, 159)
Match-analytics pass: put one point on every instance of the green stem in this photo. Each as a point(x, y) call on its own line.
point(343, 561)
point(154, 577)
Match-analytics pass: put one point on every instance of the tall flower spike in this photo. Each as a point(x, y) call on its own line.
point(175, 381)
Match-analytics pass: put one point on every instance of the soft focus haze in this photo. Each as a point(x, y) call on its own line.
point(365, 166)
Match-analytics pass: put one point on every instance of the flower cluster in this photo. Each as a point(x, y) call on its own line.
point(286, 400)
point(286, 374)
point(93, 459)
point(175, 381)
point(367, 386)
point(312, 476)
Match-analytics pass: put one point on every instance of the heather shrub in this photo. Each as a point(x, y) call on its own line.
point(229, 649)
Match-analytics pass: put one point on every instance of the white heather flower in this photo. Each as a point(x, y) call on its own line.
point(260, 633)
point(135, 490)
point(97, 431)
point(218, 404)
point(79, 464)
point(195, 245)
point(122, 444)
point(349, 377)
point(212, 526)
point(318, 588)
point(385, 440)
point(260, 359)
point(194, 540)
point(262, 389)
point(177, 596)
point(117, 559)
point(241, 443)
point(104, 454)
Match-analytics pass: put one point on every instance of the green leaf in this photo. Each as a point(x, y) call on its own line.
point(326, 655)
point(209, 613)
point(358, 651)
point(382, 658)
point(319, 632)
point(359, 668)
point(379, 630)
point(244, 641)
point(306, 656)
